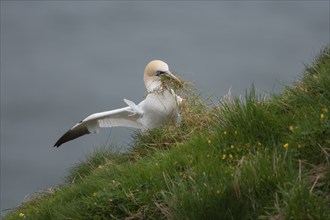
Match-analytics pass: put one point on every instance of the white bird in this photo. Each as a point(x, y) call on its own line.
point(160, 106)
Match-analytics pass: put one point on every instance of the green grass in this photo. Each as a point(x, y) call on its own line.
point(242, 158)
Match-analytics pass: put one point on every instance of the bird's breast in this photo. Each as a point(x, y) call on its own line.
point(159, 108)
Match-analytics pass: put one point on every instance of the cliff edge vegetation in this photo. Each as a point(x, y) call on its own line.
point(251, 157)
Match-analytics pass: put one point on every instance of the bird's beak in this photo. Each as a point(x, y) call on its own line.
point(170, 75)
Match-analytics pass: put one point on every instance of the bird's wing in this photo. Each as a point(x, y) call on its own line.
point(127, 117)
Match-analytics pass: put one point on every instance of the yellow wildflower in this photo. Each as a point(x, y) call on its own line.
point(225, 132)
point(291, 128)
point(224, 156)
point(286, 145)
point(94, 194)
point(232, 146)
point(209, 141)
point(21, 215)
point(321, 116)
point(230, 156)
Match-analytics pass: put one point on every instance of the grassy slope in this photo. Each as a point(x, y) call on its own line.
point(243, 159)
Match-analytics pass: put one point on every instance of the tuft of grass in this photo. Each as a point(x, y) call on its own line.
point(244, 158)
point(97, 160)
point(308, 105)
point(252, 121)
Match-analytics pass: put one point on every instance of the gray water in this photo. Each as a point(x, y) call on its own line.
point(61, 61)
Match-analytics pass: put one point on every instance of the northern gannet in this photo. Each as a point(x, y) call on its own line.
point(160, 106)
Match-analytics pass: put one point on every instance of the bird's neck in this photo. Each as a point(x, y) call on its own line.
point(154, 86)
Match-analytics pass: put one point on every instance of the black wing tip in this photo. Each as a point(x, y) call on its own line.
point(56, 145)
point(70, 135)
point(62, 139)
point(59, 142)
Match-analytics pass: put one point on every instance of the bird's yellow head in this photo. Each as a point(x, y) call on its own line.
point(154, 72)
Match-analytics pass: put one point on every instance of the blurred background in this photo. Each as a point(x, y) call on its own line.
point(61, 61)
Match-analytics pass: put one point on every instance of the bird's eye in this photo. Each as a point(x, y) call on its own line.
point(159, 73)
